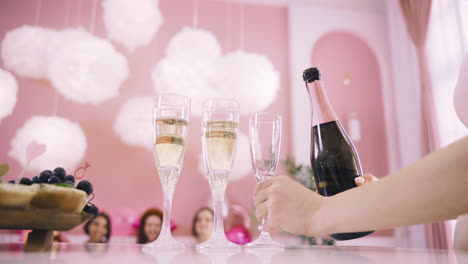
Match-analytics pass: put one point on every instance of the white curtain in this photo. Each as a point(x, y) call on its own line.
point(446, 46)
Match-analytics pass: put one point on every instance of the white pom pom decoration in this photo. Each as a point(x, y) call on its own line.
point(194, 67)
point(242, 165)
point(8, 92)
point(188, 67)
point(23, 50)
point(65, 143)
point(194, 45)
point(134, 122)
point(175, 76)
point(132, 23)
point(248, 78)
point(88, 70)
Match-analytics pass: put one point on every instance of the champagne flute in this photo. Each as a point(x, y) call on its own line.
point(171, 116)
point(220, 121)
point(265, 141)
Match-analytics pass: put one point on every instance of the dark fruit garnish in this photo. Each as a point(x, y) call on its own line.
point(11, 181)
point(25, 181)
point(54, 179)
point(60, 172)
point(70, 182)
point(70, 178)
point(91, 209)
point(35, 179)
point(85, 186)
point(44, 176)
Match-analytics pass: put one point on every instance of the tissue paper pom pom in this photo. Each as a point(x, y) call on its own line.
point(242, 164)
point(134, 122)
point(59, 40)
point(193, 45)
point(132, 23)
point(23, 50)
point(249, 78)
point(8, 91)
point(65, 143)
point(174, 76)
point(88, 70)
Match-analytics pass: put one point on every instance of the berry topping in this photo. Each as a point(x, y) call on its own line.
point(44, 176)
point(70, 178)
point(85, 186)
point(35, 179)
point(25, 181)
point(91, 209)
point(54, 179)
point(11, 181)
point(60, 172)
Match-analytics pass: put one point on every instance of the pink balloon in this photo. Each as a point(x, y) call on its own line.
point(34, 150)
point(238, 234)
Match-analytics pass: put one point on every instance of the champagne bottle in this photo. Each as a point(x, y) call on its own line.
point(335, 162)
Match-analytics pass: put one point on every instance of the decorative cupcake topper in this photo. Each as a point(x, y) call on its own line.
point(81, 171)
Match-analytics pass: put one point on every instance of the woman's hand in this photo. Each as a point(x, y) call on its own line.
point(287, 205)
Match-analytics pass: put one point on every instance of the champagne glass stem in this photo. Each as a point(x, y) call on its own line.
point(168, 191)
point(218, 201)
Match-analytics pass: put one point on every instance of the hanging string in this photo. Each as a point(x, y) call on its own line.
point(92, 21)
point(38, 12)
point(228, 24)
point(241, 25)
point(195, 14)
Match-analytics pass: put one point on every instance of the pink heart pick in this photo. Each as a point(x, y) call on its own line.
point(34, 150)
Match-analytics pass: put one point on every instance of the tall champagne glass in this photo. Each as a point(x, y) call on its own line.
point(265, 141)
point(219, 140)
point(171, 116)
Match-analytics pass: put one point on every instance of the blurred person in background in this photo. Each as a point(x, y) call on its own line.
point(150, 226)
point(98, 229)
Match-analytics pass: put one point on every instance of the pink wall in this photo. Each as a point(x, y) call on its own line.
point(124, 176)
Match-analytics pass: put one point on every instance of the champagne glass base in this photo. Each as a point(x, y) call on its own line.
point(264, 241)
point(164, 243)
point(218, 245)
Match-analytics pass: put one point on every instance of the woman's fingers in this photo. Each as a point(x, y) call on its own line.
point(361, 180)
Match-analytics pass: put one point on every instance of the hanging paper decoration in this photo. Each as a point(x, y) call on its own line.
point(134, 122)
point(132, 23)
point(23, 50)
point(8, 93)
point(242, 164)
point(249, 78)
point(188, 67)
point(194, 67)
point(88, 70)
point(64, 141)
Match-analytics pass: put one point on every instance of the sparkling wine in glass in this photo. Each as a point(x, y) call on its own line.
point(171, 116)
point(219, 140)
point(265, 141)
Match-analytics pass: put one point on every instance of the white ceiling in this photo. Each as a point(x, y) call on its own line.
point(358, 5)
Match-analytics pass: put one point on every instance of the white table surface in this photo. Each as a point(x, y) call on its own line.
point(133, 254)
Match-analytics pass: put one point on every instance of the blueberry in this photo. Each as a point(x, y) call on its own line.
point(60, 172)
point(70, 178)
point(70, 182)
point(11, 181)
point(35, 179)
point(91, 209)
point(85, 186)
point(25, 181)
point(44, 176)
point(54, 179)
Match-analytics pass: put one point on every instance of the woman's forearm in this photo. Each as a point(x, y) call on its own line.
point(431, 189)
